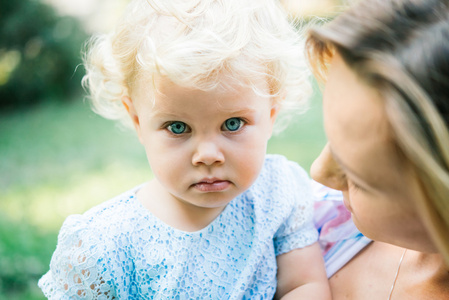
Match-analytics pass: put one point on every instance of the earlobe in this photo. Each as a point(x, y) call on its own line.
point(273, 115)
point(274, 112)
point(131, 109)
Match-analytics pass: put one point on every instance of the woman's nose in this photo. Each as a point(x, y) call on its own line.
point(326, 171)
point(207, 153)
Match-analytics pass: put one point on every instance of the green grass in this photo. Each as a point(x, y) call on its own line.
point(57, 160)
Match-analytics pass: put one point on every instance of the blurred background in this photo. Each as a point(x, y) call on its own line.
point(56, 156)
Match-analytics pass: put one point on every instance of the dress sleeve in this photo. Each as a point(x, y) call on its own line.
point(77, 270)
point(298, 230)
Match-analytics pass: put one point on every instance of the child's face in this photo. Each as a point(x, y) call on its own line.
point(204, 148)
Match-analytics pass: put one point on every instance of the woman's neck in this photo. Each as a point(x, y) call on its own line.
point(425, 274)
point(371, 274)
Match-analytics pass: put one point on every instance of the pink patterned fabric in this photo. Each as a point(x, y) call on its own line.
point(339, 239)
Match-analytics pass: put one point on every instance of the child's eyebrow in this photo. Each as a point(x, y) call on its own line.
point(242, 111)
point(164, 113)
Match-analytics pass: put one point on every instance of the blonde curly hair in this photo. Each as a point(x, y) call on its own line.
point(193, 43)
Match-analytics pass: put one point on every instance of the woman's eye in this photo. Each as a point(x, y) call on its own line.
point(177, 127)
point(233, 124)
point(353, 185)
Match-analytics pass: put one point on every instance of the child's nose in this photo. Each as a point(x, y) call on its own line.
point(207, 153)
point(326, 171)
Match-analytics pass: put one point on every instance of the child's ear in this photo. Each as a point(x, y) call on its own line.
point(274, 112)
point(131, 109)
point(273, 115)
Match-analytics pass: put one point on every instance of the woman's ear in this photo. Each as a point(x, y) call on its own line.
point(131, 109)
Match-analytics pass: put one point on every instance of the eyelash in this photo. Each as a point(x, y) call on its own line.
point(240, 121)
point(355, 187)
point(168, 125)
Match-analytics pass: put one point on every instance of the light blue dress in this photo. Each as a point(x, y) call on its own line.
point(119, 250)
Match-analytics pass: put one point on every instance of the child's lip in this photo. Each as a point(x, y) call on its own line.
point(210, 180)
point(212, 185)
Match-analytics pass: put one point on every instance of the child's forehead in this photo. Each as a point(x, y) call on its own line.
point(223, 83)
point(231, 94)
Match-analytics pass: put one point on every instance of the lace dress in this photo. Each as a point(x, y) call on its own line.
point(119, 250)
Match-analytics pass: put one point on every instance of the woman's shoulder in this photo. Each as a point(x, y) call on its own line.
point(369, 274)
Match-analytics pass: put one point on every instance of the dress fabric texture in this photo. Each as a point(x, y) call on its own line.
point(119, 250)
point(339, 239)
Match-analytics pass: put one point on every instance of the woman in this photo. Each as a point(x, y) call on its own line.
point(386, 115)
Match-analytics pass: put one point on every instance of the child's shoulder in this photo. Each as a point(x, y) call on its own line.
point(281, 181)
point(121, 206)
point(278, 168)
point(114, 205)
point(282, 200)
point(106, 219)
point(94, 245)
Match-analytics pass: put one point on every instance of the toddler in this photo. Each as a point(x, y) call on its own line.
point(202, 83)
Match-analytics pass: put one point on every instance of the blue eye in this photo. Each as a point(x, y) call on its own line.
point(177, 127)
point(233, 124)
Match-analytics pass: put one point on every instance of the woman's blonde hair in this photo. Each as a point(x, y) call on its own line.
point(194, 43)
point(401, 47)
